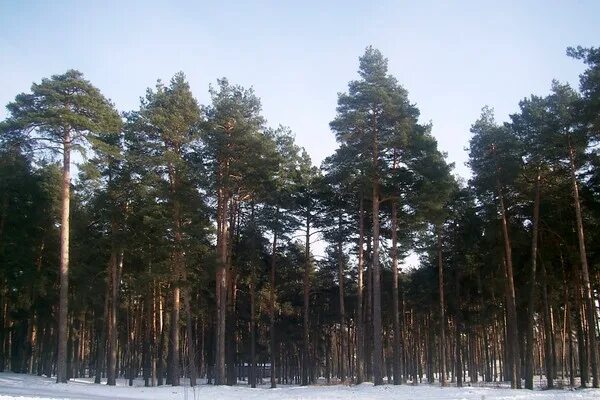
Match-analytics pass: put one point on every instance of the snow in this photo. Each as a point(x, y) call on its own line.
point(24, 387)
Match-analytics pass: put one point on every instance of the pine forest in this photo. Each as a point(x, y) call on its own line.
point(187, 243)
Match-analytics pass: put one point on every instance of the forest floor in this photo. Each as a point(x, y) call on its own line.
point(23, 387)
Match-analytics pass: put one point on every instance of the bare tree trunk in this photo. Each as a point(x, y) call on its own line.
point(442, 309)
point(252, 329)
point(63, 314)
point(531, 305)
point(160, 352)
point(377, 326)
point(360, 337)
point(221, 282)
point(513, 336)
point(307, 270)
point(191, 342)
point(174, 338)
point(111, 373)
point(458, 369)
point(148, 344)
point(273, 341)
point(587, 288)
point(396, 310)
point(548, 353)
point(101, 349)
point(341, 299)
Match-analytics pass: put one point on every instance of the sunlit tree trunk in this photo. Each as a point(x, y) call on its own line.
point(377, 326)
point(63, 313)
point(360, 337)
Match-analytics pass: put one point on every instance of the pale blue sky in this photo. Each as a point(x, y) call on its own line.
point(452, 56)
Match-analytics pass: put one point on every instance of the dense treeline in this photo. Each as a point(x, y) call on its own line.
point(184, 246)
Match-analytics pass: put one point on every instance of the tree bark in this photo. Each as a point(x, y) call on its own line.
point(396, 308)
point(273, 342)
point(190, 336)
point(111, 372)
point(221, 282)
point(360, 337)
point(252, 375)
point(377, 326)
point(307, 271)
point(442, 310)
point(587, 288)
point(61, 361)
point(341, 299)
point(513, 336)
point(531, 304)
point(548, 351)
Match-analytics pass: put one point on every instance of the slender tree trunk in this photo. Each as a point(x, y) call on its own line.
point(548, 353)
point(161, 322)
point(273, 341)
point(221, 283)
point(532, 272)
point(587, 288)
point(513, 336)
point(307, 271)
point(148, 344)
point(442, 308)
point(458, 330)
point(101, 348)
point(230, 318)
point(396, 310)
point(111, 373)
point(174, 338)
point(360, 337)
point(63, 314)
point(190, 336)
point(252, 329)
point(377, 326)
point(341, 299)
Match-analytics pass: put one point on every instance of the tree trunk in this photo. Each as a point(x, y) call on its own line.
point(307, 271)
point(396, 310)
point(377, 327)
point(114, 279)
point(458, 369)
point(587, 288)
point(221, 283)
point(190, 336)
point(513, 336)
point(111, 372)
point(360, 337)
point(442, 308)
point(61, 361)
point(531, 305)
point(341, 299)
point(101, 348)
point(548, 353)
point(252, 374)
point(273, 342)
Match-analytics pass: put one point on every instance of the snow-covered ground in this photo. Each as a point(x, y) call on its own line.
point(22, 387)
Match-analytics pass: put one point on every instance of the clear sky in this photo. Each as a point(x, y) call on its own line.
point(452, 56)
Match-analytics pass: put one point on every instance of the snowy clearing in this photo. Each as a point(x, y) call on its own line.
point(23, 387)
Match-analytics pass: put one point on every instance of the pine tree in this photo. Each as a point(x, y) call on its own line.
point(63, 114)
